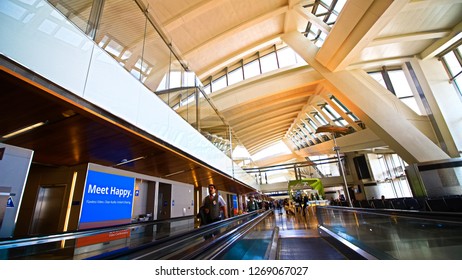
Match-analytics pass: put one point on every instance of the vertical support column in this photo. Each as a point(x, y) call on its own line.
point(439, 100)
point(342, 171)
point(198, 121)
point(94, 19)
point(231, 150)
point(156, 201)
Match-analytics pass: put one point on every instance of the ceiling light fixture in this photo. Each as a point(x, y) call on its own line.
point(23, 130)
point(125, 161)
point(176, 173)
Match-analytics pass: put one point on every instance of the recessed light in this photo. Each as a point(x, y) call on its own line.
point(22, 130)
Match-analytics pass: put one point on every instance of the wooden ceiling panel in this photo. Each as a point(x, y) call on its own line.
point(75, 135)
point(259, 120)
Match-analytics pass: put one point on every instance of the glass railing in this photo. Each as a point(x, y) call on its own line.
point(115, 66)
point(396, 234)
point(436, 179)
point(87, 244)
point(142, 51)
point(194, 106)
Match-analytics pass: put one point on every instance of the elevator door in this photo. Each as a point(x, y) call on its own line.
point(48, 208)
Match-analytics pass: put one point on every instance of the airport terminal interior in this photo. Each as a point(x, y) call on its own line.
point(338, 120)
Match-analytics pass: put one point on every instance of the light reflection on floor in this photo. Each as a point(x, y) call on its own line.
point(298, 239)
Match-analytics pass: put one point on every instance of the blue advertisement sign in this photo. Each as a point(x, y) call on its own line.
point(235, 206)
point(107, 197)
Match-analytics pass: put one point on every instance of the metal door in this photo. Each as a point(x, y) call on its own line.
point(164, 201)
point(48, 209)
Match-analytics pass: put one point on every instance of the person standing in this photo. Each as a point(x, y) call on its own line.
point(213, 205)
point(306, 202)
point(252, 205)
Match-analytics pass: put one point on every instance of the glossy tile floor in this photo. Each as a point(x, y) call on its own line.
point(298, 239)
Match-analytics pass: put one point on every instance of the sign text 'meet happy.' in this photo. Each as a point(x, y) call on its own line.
point(93, 189)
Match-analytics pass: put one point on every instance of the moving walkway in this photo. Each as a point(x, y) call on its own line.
point(323, 233)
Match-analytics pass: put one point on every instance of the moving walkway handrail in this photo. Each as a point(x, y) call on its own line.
point(221, 244)
point(159, 248)
point(417, 214)
point(169, 240)
point(271, 252)
point(28, 241)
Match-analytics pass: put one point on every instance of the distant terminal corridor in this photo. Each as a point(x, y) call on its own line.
point(116, 116)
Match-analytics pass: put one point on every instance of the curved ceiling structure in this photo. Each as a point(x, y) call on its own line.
point(211, 36)
point(336, 42)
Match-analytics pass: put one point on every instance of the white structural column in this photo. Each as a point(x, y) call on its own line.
point(404, 131)
point(440, 101)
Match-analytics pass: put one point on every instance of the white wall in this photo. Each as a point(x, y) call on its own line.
point(182, 200)
point(140, 201)
point(48, 44)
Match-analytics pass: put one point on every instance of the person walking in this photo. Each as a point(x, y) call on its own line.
point(252, 205)
point(213, 206)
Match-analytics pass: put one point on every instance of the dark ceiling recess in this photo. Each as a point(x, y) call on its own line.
point(70, 131)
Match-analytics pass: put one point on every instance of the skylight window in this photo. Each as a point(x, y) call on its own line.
point(320, 119)
point(251, 69)
point(339, 6)
point(312, 123)
point(452, 61)
point(175, 79)
point(189, 79)
point(398, 85)
point(332, 19)
point(279, 148)
point(269, 62)
point(278, 176)
point(235, 76)
point(344, 108)
point(325, 10)
point(240, 152)
point(333, 115)
point(219, 83)
point(307, 127)
point(286, 57)
point(256, 65)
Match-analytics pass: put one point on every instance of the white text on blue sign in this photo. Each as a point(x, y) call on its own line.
point(109, 190)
